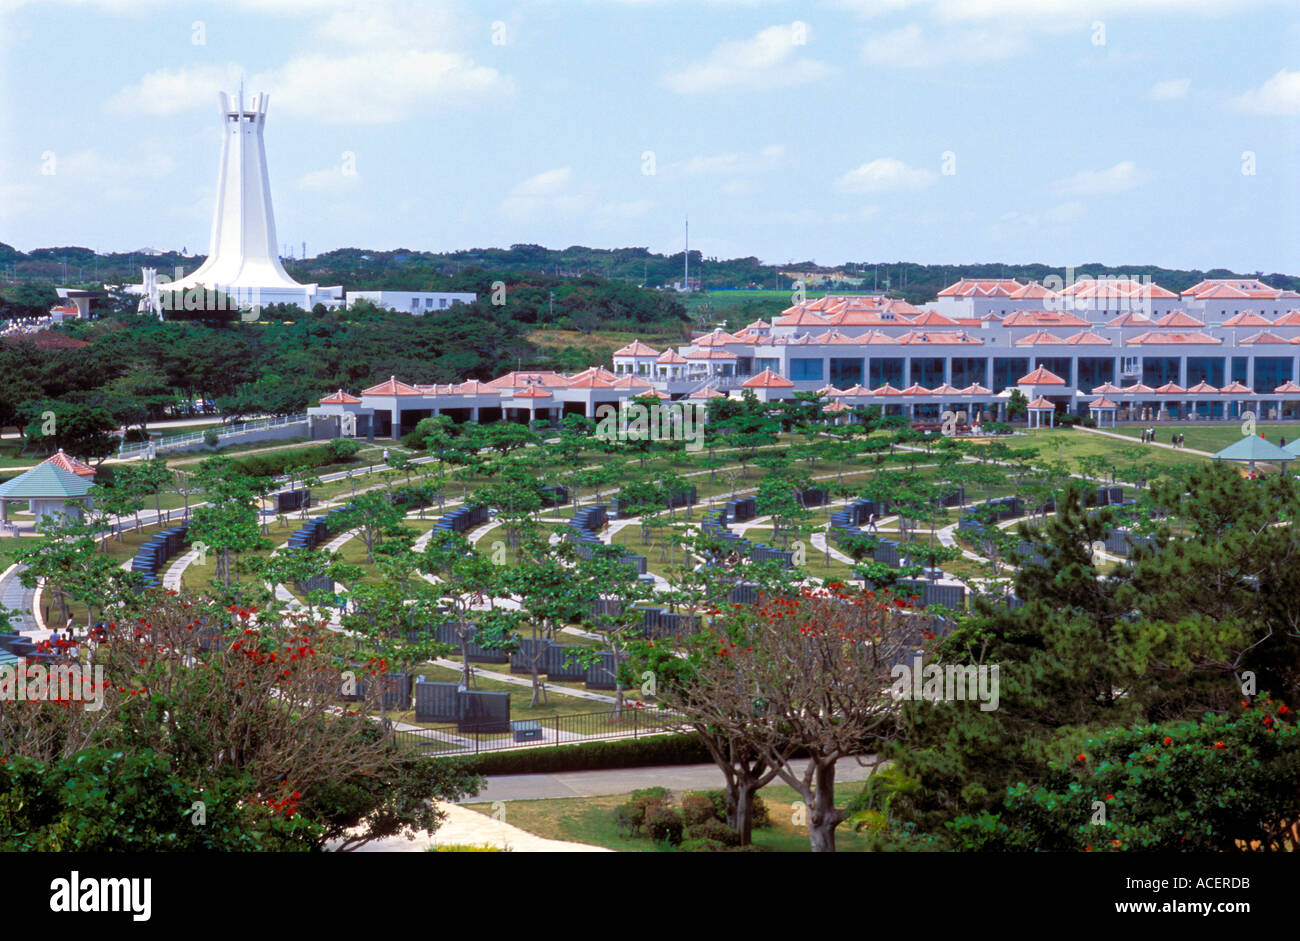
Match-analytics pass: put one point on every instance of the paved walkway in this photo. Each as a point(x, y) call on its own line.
point(468, 826)
point(15, 597)
point(1150, 444)
point(508, 787)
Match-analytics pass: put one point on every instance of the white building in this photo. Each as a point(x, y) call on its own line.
point(412, 302)
point(243, 261)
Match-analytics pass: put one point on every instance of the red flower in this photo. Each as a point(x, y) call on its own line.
point(1168, 740)
point(1110, 797)
point(1220, 745)
point(1283, 710)
point(1082, 759)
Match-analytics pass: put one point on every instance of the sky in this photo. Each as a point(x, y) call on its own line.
point(1066, 132)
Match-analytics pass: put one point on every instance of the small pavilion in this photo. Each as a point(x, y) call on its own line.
point(1100, 408)
point(1037, 409)
point(1252, 448)
point(49, 490)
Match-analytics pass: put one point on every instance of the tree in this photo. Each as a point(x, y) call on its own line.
point(373, 514)
point(809, 675)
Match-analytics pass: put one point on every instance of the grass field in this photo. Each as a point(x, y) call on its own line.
point(1212, 437)
point(591, 820)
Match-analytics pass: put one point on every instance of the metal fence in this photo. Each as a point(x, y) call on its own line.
point(224, 432)
point(635, 722)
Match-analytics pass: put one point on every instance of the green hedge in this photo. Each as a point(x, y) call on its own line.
point(275, 463)
point(674, 749)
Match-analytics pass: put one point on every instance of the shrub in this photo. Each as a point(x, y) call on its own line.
point(696, 808)
point(664, 825)
point(718, 797)
point(342, 448)
point(702, 846)
point(628, 818)
point(466, 848)
point(673, 749)
point(210, 437)
point(715, 831)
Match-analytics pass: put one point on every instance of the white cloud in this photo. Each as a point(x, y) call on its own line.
point(1170, 89)
point(365, 88)
point(1279, 96)
point(557, 194)
point(911, 47)
point(770, 59)
point(546, 194)
point(883, 175)
point(1124, 176)
point(769, 158)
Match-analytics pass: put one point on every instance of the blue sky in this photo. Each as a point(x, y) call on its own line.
point(947, 131)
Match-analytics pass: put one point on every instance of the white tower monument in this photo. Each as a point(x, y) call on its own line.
point(242, 262)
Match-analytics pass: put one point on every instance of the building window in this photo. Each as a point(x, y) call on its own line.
point(806, 370)
point(846, 373)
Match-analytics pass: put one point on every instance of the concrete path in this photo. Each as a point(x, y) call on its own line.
point(508, 787)
point(15, 597)
point(1148, 444)
point(468, 826)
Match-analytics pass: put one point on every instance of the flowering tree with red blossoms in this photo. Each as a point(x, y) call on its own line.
point(805, 676)
point(236, 698)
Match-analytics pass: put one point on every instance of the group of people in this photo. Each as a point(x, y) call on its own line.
point(1149, 437)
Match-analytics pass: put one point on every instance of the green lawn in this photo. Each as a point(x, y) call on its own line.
point(1210, 436)
point(591, 820)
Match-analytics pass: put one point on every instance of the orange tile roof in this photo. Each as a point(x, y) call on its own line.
point(710, 353)
point(533, 392)
point(1106, 388)
point(1236, 388)
point(837, 406)
point(1288, 388)
point(1033, 291)
point(1042, 318)
point(1179, 318)
point(945, 389)
point(631, 382)
point(941, 339)
point(976, 389)
point(916, 389)
point(1131, 319)
point(1040, 336)
point(1041, 404)
point(391, 387)
point(708, 392)
point(932, 319)
point(856, 391)
point(982, 287)
point(1115, 288)
point(636, 348)
point(1087, 338)
point(768, 380)
point(1235, 288)
point(340, 398)
point(1138, 388)
point(887, 389)
point(1290, 319)
point(1102, 402)
point(67, 462)
point(1263, 336)
point(714, 338)
point(1152, 336)
point(1042, 376)
point(1248, 318)
point(1203, 388)
point(474, 387)
point(670, 358)
point(1171, 388)
point(548, 378)
point(800, 317)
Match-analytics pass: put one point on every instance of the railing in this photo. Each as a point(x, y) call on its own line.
point(196, 437)
point(464, 739)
